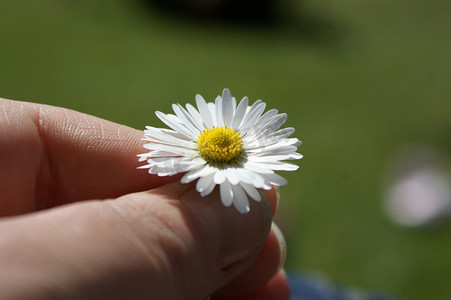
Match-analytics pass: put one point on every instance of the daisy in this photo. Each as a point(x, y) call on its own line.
point(234, 146)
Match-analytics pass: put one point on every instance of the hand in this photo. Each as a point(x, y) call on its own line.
point(78, 221)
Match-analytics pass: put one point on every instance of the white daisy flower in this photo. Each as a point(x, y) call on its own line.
point(234, 146)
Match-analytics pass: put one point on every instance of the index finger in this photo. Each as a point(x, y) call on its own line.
point(62, 156)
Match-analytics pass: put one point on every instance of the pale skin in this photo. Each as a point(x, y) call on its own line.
point(79, 221)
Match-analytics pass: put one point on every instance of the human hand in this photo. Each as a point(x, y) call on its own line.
point(121, 233)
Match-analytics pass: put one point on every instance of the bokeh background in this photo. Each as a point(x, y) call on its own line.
point(358, 80)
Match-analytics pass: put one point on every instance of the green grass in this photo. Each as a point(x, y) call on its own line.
point(357, 78)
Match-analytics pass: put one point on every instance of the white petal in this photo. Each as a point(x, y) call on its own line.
point(240, 113)
point(234, 105)
point(212, 108)
point(297, 143)
point(173, 149)
point(190, 176)
point(264, 133)
point(164, 171)
point(219, 177)
point(257, 168)
point(161, 139)
point(175, 134)
point(204, 111)
point(281, 134)
point(144, 167)
point(290, 156)
point(240, 200)
point(296, 155)
point(268, 151)
point(252, 116)
point(143, 157)
point(275, 179)
point(274, 123)
point(173, 122)
point(227, 107)
point(249, 177)
point(204, 183)
point(267, 187)
point(251, 191)
point(195, 116)
point(219, 116)
point(231, 176)
point(277, 146)
point(157, 153)
point(203, 171)
point(268, 115)
point(164, 166)
point(209, 185)
point(154, 134)
point(186, 119)
point(208, 170)
point(187, 163)
point(254, 105)
point(278, 166)
point(271, 158)
point(226, 193)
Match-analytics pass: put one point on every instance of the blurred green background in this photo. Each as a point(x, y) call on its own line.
point(357, 78)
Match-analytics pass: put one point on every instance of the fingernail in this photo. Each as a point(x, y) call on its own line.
point(232, 236)
point(282, 244)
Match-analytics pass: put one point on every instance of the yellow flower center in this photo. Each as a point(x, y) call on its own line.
point(220, 145)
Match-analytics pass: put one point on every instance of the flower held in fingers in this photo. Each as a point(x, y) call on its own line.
point(234, 146)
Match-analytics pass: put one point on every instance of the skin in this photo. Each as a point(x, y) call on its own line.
point(78, 221)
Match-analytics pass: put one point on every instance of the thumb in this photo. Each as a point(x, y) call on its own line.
point(167, 243)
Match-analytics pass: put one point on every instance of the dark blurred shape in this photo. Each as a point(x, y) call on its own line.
point(316, 288)
point(289, 18)
point(247, 11)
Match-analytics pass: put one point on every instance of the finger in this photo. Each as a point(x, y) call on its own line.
point(167, 243)
point(268, 263)
point(51, 155)
point(273, 196)
point(277, 289)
